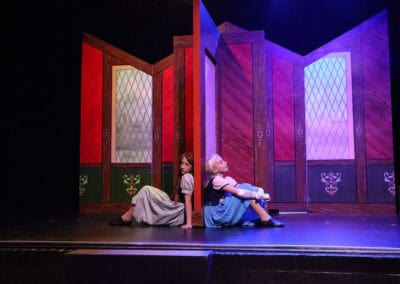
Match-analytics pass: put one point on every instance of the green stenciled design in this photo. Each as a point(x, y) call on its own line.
point(83, 180)
point(132, 181)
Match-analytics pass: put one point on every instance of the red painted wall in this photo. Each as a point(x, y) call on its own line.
point(168, 114)
point(189, 99)
point(91, 105)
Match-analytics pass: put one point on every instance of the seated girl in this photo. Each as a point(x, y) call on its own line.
point(152, 206)
point(227, 203)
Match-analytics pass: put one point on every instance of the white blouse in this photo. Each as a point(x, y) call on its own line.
point(219, 182)
point(187, 184)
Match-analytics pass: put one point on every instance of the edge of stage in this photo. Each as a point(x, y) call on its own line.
point(320, 247)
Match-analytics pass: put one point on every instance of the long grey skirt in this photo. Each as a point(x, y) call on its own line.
point(154, 207)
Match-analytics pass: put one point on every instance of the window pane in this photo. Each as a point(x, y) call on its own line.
point(328, 102)
point(132, 116)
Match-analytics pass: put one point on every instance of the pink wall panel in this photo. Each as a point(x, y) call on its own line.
point(236, 106)
point(168, 114)
point(91, 105)
point(376, 90)
point(283, 93)
point(242, 52)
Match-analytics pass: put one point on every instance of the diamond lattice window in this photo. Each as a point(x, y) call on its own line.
point(132, 116)
point(328, 103)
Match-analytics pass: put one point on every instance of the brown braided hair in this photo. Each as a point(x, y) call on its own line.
point(189, 157)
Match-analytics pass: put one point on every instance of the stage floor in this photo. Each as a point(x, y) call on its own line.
point(307, 233)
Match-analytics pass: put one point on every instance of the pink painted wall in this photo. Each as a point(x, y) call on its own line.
point(236, 110)
point(283, 94)
point(376, 90)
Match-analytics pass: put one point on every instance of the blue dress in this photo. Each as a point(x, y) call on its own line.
point(231, 210)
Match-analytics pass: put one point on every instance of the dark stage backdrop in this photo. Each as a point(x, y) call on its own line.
point(40, 110)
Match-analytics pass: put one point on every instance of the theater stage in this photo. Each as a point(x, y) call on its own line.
point(311, 247)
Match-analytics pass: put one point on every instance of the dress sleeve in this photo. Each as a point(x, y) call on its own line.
point(187, 184)
point(219, 182)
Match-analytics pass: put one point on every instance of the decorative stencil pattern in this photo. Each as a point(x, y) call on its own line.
point(83, 180)
point(132, 181)
point(389, 179)
point(330, 181)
